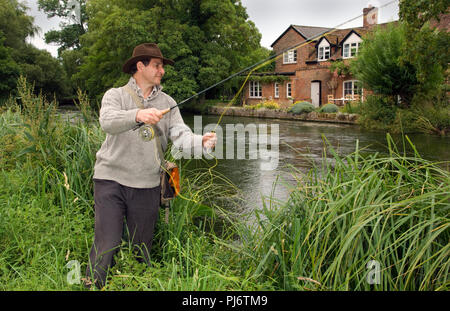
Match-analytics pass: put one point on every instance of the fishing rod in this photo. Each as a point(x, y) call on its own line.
point(310, 39)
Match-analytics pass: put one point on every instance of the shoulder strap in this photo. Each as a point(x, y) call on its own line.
point(139, 104)
point(135, 97)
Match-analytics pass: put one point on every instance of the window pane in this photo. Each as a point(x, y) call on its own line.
point(348, 88)
point(255, 89)
point(288, 90)
point(346, 50)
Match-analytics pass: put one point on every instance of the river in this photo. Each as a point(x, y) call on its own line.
point(300, 145)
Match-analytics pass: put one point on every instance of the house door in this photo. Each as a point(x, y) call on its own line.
point(315, 93)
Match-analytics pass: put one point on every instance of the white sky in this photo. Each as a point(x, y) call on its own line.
point(271, 17)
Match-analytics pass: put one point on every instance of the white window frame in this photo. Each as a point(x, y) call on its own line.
point(350, 48)
point(289, 89)
point(290, 57)
point(255, 89)
point(352, 88)
point(276, 90)
point(324, 48)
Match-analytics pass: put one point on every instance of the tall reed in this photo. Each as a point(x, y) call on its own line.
point(354, 211)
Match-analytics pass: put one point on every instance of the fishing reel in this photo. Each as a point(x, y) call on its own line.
point(147, 132)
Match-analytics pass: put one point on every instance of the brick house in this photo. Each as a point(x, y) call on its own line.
point(308, 66)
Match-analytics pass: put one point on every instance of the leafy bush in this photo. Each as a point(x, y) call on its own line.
point(351, 107)
point(329, 108)
point(433, 118)
point(302, 107)
point(380, 68)
point(268, 104)
point(377, 112)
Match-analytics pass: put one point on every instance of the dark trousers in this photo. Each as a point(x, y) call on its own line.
point(114, 203)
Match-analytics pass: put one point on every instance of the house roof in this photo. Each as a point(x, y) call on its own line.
point(358, 33)
point(336, 37)
point(307, 32)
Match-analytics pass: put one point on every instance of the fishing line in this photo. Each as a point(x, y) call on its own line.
point(265, 62)
point(251, 69)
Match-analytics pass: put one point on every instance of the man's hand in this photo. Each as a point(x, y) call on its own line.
point(150, 115)
point(209, 140)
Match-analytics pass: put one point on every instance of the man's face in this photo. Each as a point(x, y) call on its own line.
point(153, 72)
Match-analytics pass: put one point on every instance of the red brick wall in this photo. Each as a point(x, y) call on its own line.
point(444, 23)
point(290, 38)
point(304, 73)
point(268, 93)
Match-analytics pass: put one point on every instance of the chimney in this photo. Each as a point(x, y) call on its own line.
point(370, 17)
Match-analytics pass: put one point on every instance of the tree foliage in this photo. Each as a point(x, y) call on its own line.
point(415, 13)
point(20, 58)
point(379, 67)
point(208, 39)
point(411, 59)
point(43, 70)
point(15, 24)
point(9, 70)
point(426, 47)
point(73, 26)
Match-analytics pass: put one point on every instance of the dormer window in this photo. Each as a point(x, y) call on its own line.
point(323, 50)
point(350, 46)
point(324, 53)
point(290, 57)
point(351, 49)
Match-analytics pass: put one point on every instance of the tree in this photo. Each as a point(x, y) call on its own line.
point(208, 39)
point(15, 24)
point(426, 47)
point(379, 67)
point(43, 70)
point(9, 70)
point(20, 58)
point(416, 13)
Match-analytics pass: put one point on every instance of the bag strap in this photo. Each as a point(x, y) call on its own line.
point(140, 105)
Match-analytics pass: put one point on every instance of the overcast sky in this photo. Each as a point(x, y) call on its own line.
point(271, 17)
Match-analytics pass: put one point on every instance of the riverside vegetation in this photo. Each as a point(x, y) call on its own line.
point(349, 210)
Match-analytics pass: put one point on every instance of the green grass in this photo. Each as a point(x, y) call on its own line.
point(350, 210)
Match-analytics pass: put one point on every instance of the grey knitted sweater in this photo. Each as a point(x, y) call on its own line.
point(126, 156)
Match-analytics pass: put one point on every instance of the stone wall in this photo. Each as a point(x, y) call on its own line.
point(278, 114)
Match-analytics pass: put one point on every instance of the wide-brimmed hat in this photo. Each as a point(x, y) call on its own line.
point(145, 51)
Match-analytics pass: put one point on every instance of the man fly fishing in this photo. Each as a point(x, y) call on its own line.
point(128, 165)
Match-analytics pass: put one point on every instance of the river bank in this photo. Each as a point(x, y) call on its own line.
point(342, 118)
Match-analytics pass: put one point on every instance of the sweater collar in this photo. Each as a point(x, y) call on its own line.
point(132, 83)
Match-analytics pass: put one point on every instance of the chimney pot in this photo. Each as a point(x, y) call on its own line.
point(370, 16)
